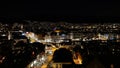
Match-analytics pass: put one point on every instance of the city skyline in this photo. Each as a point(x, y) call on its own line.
point(48, 34)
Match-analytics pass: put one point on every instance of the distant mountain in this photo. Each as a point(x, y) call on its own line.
point(53, 18)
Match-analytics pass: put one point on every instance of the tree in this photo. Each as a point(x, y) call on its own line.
point(62, 55)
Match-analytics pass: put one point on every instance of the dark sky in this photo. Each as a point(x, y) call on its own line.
point(68, 11)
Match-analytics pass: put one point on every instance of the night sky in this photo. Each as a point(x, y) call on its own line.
point(84, 11)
